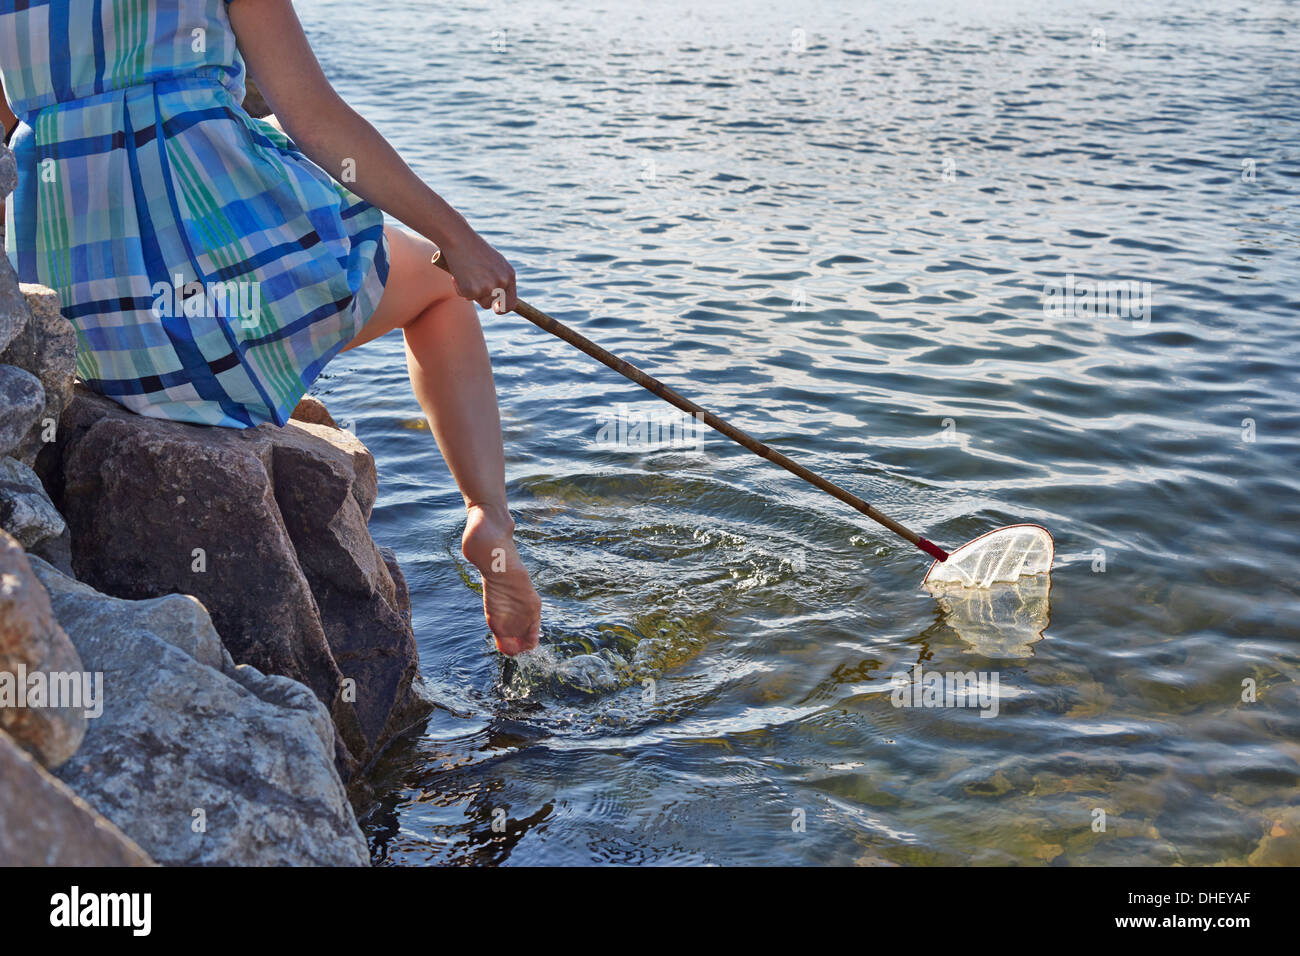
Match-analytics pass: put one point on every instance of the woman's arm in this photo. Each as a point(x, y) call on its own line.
point(330, 132)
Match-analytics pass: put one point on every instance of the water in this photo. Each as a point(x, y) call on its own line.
point(721, 639)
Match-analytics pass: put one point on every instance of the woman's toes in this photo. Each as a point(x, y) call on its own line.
point(512, 646)
point(511, 606)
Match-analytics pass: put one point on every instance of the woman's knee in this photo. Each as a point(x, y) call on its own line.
point(413, 286)
point(414, 260)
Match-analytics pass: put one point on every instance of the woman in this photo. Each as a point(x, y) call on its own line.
point(140, 173)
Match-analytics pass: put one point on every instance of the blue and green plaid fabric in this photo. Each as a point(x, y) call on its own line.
point(210, 269)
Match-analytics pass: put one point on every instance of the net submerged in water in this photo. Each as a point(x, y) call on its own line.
point(1001, 620)
point(1003, 556)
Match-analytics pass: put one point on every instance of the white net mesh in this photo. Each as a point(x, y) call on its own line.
point(1003, 556)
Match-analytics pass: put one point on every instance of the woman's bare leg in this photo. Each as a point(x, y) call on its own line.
point(451, 376)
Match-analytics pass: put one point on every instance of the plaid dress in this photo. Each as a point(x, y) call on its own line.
point(210, 269)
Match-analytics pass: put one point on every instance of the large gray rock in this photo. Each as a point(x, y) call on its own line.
point(198, 760)
point(46, 347)
point(14, 314)
point(27, 513)
point(267, 527)
point(43, 823)
point(35, 656)
point(22, 399)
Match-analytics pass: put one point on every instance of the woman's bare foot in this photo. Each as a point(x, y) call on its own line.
point(510, 603)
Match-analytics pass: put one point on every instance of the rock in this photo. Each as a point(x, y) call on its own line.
point(43, 823)
point(14, 314)
point(33, 647)
point(254, 103)
point(1281, 845)
point(200, 761)
point(46, 347)
point(267, 527)
point(8, 183)
point(399, 582)
point(312, 411)
point(26, 512)
point(8, 172)
point(22, 399)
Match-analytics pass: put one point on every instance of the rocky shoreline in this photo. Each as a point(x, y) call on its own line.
point(201, 647)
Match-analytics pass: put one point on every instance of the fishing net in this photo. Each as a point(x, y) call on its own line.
point(1003, 556)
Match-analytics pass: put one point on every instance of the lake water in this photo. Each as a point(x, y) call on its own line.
point(844, 226)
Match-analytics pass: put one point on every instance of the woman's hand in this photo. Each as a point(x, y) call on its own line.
point(481, 274)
